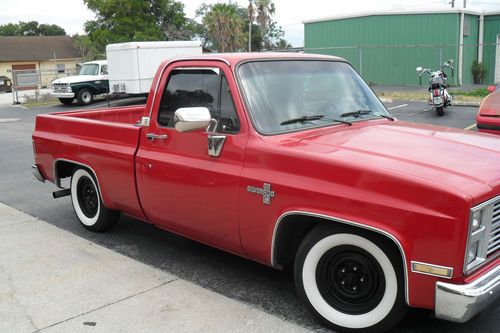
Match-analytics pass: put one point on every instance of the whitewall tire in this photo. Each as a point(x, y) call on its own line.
point(87, 202)
point(351, 282)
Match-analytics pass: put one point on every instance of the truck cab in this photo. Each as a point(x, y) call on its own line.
point(92, 80)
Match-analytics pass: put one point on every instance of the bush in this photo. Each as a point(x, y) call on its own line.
point(478, 72)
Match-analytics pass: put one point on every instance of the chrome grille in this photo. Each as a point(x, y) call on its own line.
point(60, 87)
point(494, 238)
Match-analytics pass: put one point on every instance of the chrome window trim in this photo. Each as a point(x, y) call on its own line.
point(348, 222)
point(57, 181)
point(177, 60)
point(432, 265)
point(485, 230)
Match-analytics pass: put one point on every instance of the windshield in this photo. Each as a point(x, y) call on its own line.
point(288, 95)
point(89, 69)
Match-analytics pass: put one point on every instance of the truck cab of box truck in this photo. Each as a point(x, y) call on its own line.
point(92, 80)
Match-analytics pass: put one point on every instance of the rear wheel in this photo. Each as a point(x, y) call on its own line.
point(87, 203)
point(85, 97)
point(440, 111)
point(66, 101)
point(348, 281)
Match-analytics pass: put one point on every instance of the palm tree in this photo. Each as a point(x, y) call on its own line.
point(225, 27)
point(265, 10)
point(250, 22)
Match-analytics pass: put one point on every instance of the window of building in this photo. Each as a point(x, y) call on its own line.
point(61, 68)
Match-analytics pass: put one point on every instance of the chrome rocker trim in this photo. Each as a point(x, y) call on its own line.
point(36, 173)
point(459, 303)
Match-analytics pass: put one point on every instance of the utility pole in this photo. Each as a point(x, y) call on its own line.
point(465, 3)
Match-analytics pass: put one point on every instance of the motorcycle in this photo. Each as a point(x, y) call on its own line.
point(437, 86)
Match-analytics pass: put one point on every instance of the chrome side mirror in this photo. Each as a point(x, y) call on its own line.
point(191, 119)
point(197, 118)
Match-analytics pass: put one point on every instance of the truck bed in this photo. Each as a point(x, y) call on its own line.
point(105, 139)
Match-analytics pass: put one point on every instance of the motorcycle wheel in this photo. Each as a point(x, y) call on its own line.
point(440, 111)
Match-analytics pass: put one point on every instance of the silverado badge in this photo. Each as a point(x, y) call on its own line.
point(266, 192)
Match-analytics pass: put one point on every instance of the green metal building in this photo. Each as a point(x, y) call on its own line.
point(386, 47)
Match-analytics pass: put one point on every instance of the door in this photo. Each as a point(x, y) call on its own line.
point(181, 187)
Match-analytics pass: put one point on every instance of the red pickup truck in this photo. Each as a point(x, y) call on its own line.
point(291, 160)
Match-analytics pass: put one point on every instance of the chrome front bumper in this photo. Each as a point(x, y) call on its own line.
point(63, 94)
point(460, 303)
point(36, 173)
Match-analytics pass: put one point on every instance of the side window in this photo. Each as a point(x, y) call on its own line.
point(104, 70)
point(195, 88)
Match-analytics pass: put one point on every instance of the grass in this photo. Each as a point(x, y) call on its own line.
point(34, 104)
point(470, 97)
point(481, 92)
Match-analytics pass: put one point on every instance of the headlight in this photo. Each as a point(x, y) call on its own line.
point(68, 89)
point(472, 252)
point(482, 241)
point(476, 220)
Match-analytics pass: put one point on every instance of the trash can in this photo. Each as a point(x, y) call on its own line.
point(5, 84)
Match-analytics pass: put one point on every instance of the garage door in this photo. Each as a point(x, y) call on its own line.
point(497, 62)
point(25, 76)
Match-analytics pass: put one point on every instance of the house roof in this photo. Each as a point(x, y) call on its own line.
point(37, 48)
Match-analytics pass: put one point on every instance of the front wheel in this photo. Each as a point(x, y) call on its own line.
point(88, 205)
point(348, 282)
point(85, 97)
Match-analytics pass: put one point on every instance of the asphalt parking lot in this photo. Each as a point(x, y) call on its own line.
point(243, 281)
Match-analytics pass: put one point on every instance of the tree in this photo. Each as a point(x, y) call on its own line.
point(282, 44)
point(135, 20)
point(224, 27)
point(31, 28)
point(85, 47)
point(263, 11)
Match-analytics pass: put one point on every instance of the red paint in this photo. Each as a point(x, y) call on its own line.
point(416, 182)
point(488, 116)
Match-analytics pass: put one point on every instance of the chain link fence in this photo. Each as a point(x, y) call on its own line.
point(396, 64)
point(35, 84)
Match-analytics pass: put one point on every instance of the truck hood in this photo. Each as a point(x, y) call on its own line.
point(462, 160)
point(80, 78)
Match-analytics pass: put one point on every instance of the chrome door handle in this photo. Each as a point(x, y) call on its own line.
point(153, 136)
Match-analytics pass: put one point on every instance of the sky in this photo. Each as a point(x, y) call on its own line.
point(72, 14)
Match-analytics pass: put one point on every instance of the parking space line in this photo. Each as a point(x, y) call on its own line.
point(397, 106)
point(470, 127)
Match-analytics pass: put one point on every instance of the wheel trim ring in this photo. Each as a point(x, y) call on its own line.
point(323, 308)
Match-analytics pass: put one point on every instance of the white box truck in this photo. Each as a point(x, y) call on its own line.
point(132, 66)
